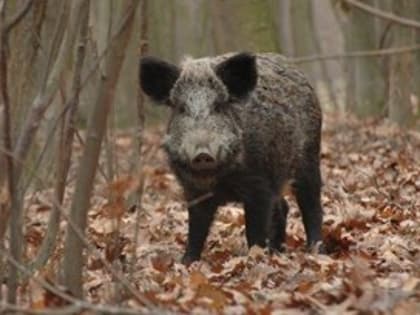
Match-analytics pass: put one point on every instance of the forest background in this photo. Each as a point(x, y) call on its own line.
point(86, 194)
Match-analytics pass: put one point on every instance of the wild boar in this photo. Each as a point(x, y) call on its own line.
point(242, 127)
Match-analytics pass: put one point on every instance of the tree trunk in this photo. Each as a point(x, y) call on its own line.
point(401, 72)
point(415, 100)
point(303, 37)
point(365, 84)
point(65, 145)
point(223, 40)
point(324, 76)
point(73, 249)
point(253, 25)
point(10, 194)
point(281, 16)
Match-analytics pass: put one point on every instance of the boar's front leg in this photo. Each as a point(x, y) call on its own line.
point(200, 218)
point(258, 211)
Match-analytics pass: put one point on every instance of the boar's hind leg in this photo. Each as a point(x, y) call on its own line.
point(200, 218)
point(308, 194)
point(278, 225)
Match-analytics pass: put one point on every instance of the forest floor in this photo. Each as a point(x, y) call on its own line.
point(371, 200)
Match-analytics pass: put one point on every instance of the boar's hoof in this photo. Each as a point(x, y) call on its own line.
point(317, 248)
point(277, 249)
point(188, 259)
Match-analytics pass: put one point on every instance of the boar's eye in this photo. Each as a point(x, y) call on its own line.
point(180, 108)
point(220, 106)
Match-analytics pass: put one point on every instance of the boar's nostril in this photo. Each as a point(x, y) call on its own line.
point(203, 161)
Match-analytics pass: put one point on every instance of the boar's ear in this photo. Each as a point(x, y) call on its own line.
point(239, 74)
point(157, 78)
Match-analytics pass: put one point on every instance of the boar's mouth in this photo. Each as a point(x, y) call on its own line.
point(207, 176)
point(184, 170)
point(201, 173)
point(204, 173)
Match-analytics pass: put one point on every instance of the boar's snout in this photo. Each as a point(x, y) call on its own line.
point(202, 151)
point(203, 161)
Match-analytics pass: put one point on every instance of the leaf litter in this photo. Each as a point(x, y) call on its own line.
point(371, 200)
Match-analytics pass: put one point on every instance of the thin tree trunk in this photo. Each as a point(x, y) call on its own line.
point(109, 133)
point(58, 57)
point(25, 63)
point(4, 170)
point(144, 47)
point(5, 159)
point(303, 33)
point(223, 40)
point(252, 25)
point(365, 84)
point(416, 91)
point(73, 249)
point(325, 75)
point(64, 150)
point(281, 14)
point(15, 223)
point(401, 75)
point(10, 192)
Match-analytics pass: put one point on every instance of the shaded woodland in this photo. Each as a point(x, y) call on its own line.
point(93, 221)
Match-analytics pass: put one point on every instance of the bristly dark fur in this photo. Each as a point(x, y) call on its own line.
point(258, 121)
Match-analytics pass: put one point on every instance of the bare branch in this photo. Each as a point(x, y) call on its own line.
point(65, 146)
point(41, 102)
point(74, 309)
point(73, 259)
point(200, 199)
point(75, 302)
point(67, 310)
point(45, 96)
point(355, 54)
point(383, 15)
point(71, 100)
point(90, 248)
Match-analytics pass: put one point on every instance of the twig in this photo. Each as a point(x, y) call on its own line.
point(80, 235)
point(48, 89)
point(378, 188)
point(355, 54)
point(312, 301)
point(73, 261)
point(84, 82)
point(72, 98)
point(65, 146)
point(91, 249)
point(199, 199)
point(81, 304)
point(21, 151)
point(67, 310)
point(383, 15)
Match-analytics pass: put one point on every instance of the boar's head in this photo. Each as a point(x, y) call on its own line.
point(204, 133)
